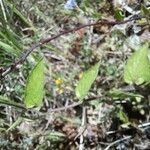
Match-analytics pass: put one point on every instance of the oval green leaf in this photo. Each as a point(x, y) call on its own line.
point(35, 86)
point(86, 81)
point(137, 69)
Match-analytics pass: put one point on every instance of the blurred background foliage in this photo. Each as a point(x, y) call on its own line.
point(24, 22)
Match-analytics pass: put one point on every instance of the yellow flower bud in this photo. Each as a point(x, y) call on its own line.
point(59, 81)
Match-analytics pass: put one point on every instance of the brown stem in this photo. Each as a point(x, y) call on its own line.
point(28, 51)
point(76, 104)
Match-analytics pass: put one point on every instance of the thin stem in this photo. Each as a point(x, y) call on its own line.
point(28, 51)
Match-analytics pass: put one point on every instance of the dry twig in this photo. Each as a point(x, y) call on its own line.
point(28, 51)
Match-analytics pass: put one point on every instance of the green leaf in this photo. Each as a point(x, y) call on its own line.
point(55, 136)
point(15, 124)
point(86, 81)
point(137, 69)
point(9, 49)
point(35, 86)
point(20, 15)
point(123, 117)
point(119, 15)
point(145, 11)
point(11, 40)
point(6, 101)
point(119, 94)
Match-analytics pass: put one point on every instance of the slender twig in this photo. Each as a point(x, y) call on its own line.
point(103, 22)
point(117, 141)
point(28, 51)
point(21, 60)
point(144, 125)
point(65, 107)
point(75, 104)
point(83, 127)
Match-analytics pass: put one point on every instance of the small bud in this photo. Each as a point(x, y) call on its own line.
point(59, 82)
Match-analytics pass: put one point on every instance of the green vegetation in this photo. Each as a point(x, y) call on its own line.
point(75, 74)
